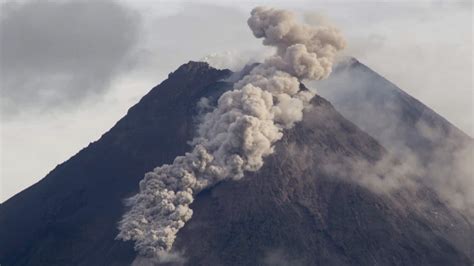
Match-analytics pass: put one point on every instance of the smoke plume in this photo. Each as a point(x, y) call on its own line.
point(239, 132)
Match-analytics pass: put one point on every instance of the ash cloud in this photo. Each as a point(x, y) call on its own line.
point(235, 60)
point(449, 169)
point(57, 53)
point(162, 258)
point(236, 135)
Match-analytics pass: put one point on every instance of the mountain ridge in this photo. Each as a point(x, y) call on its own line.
point(407, 127)
point(72, 213)
point(59, 196)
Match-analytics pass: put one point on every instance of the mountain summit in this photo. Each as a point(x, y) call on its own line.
point(303, 207)
point(440, 152)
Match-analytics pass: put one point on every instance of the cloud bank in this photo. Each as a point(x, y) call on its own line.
point(55, 53)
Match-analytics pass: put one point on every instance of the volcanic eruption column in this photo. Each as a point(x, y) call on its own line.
point(239, 132)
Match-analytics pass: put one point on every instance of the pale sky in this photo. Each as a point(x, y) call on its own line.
point(71, 69)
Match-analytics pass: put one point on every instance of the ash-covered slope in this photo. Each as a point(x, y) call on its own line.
point(386, 112)
point(295, 209)
point(440, 152)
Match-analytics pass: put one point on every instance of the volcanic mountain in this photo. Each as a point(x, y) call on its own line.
point(299, 209)
point(407, 128)
point(397, 120)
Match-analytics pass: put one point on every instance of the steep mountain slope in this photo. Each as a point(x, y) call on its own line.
point(406, 127)
point(399, 121)
point(295, 209)
point(70, 216)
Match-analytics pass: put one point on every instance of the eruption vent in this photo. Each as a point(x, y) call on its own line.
point(239, 132)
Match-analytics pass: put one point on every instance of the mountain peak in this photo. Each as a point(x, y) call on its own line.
point(359, 92)
point(345, 62)
point(194, 67)
point(294, 206)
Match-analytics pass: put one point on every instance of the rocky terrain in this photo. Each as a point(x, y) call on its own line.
point(297, 210)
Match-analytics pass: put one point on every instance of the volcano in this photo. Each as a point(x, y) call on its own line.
point(294, 211)
point(397, 120)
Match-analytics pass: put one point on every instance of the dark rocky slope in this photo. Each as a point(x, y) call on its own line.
point(397, 120)
point(296, 212)
point(293, 210)
point(70, 216)
point(412, 131)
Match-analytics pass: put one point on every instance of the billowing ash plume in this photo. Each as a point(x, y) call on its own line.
point(239, 132)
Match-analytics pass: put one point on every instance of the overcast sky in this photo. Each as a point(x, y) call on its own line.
point(70, 69)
